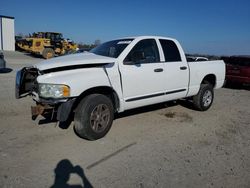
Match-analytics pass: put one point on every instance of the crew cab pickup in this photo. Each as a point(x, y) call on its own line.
point(116, 76)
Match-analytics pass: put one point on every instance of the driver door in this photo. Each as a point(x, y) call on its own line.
point(143, 75)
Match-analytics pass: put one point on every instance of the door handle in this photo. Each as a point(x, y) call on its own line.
point(183, 68)
point(158, 70)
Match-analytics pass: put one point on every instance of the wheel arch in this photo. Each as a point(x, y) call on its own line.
point(210, 78)
point(105, 90)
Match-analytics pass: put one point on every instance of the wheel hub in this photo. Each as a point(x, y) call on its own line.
point(207, 98)
point(100, 118)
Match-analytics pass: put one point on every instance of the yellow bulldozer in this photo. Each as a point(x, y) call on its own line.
point(47, 44)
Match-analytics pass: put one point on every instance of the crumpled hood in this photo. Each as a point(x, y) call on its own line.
point(74, 59)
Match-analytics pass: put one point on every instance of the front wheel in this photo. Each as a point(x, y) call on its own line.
point(204, 99)
point(94, 116)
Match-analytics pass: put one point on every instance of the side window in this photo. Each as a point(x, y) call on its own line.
point(145, 51)
point(171, 52)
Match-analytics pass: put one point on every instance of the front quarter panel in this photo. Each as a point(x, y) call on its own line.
point(78, 80)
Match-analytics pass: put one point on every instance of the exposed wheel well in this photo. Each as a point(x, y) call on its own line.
point(210, 78)
point(105, 90)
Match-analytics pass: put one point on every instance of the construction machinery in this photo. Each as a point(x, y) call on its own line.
point(47, 44)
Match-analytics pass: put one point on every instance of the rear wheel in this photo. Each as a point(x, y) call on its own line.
point(94, 116)
point(204, 99)
point(48, 53)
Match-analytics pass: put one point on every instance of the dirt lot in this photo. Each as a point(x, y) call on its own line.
point(166, 145)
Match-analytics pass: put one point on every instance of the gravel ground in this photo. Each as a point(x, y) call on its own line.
point(167, 145)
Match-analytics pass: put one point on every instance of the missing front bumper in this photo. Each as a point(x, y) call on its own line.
point(40, 110)
point(61, 110)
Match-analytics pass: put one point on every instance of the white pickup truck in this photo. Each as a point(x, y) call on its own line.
point(116, 76)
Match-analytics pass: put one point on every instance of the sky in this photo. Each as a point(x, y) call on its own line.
point(215, 27)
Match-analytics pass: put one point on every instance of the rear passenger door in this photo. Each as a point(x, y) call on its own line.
point(176, 71)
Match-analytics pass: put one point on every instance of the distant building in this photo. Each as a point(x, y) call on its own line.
point(7, 33)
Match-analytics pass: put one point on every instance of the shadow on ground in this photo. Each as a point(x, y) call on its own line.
point(237, 86)
point(48, 118)
point(63, 171)
point(5, 70)
point(185, 103)
point(33, 55)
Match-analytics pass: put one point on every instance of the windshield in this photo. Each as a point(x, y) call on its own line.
point(112, 48)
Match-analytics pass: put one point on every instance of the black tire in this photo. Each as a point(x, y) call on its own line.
point(48, 53)
point(204, 99)
point(93, 117)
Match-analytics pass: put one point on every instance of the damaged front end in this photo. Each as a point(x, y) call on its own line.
point(26, 84)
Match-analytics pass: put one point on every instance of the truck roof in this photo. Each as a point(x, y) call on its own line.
point(148, 36)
